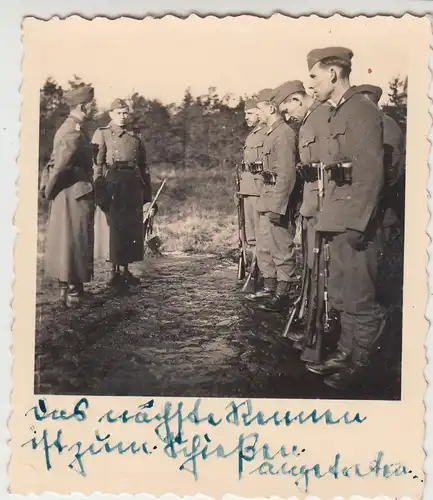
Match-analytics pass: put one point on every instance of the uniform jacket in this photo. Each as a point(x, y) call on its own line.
point(115, 144)
point(279, 155)
point(313, 137)
point(70, 166)
point(355, 135)
point(251, 184)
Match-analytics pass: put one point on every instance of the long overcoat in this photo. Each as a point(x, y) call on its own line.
point(69, 239)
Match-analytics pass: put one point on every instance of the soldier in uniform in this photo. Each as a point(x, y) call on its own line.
point(122, 182)
point(67, 183)
point(394, 155)
point(251, 178)
point(350, 218)
point(275, 248)
point(313, 116)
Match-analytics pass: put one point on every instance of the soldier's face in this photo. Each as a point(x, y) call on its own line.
point(252, 117)
point(293, 107)
point(322, 81)
point(264, 111)
point(119, 116)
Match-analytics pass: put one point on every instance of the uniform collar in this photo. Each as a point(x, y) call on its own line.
point(117, 130)
point(274, 126)
point(258, 127)
point(75, 119)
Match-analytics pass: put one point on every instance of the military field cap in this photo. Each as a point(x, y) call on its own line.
point(370, 89)
point(265, 95)
point(250, 104)
point(79, 95)
point(286, 89)
point(118, 104)
point(317, 55)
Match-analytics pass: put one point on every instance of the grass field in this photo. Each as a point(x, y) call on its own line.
point(196, 210)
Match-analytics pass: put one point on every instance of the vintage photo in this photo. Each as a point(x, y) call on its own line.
point(244, 239)
point(221, 263)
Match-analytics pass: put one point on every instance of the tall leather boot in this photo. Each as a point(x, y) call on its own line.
point(269, 288)
point(278, 302)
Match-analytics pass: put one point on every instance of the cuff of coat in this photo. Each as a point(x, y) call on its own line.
point(359, 221)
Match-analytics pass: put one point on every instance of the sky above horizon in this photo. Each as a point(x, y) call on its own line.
point(160, 58)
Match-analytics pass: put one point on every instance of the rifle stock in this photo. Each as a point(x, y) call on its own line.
point(250, 282)
point(297, 311)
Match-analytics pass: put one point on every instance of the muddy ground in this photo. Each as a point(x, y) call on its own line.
point(186, 331)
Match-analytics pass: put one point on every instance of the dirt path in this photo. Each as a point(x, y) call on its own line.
point(184, 331)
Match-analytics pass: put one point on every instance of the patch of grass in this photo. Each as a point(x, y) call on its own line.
point(197, 213)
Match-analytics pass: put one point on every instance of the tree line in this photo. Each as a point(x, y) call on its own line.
point(206, 131)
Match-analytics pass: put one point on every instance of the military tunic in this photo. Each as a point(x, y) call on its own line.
point(120, 159)
point(68, 179)
point(312, 146)
point(355, 135)
point(251, 184)
point(275, 249)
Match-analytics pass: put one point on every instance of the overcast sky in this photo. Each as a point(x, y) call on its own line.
point(238, 55)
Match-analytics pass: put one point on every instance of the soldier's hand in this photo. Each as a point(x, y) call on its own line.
point(356, 239)
point(275, 218)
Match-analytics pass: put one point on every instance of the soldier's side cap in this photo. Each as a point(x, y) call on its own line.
point(79, 95)
point(250, 104)
point(370, 89)
point(317, 55)
point(118, 104)
point(265, 95)
point(286, 89)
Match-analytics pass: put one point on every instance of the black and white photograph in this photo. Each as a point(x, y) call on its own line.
point(222, 215)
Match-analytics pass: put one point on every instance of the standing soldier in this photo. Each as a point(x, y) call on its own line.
point(122, 177)
point(69, 247)
point(350, 215)
point(394, 155)
point(313, 116)
point(275, 249)
point(251, 178)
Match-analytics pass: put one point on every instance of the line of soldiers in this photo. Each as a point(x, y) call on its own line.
point(348, 157)
point(99, 190)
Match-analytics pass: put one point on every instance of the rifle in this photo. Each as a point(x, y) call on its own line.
point(297, 312)
point(318, 321)
point(242, 261)
point(153, 242)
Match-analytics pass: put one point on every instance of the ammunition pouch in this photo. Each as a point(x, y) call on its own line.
point(308, 172)
point(254, 167)
point(269, 178)
point(340, 172)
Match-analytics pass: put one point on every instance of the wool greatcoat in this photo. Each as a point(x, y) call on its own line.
point(120, 168)
point(68, 184)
